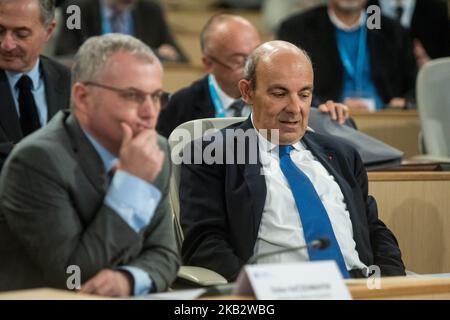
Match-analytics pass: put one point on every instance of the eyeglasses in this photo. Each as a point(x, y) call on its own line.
point(131, 95)
point(235, 64)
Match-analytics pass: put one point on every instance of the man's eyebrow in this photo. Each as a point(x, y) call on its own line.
point(277, 87)
point(307, 88)
point(22, 29)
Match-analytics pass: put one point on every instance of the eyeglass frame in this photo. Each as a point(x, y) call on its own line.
point(140, 96)
point(223, 64)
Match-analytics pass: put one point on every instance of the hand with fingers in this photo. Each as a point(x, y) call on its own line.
point(338, 111)
point(112, 283)
point(140, 155)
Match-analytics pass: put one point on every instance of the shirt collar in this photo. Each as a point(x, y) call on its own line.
point(226, 100)
point(267, 146)
point(340, 25)
point(388, 8)
point(108, 11)
point(34, 74)
point(108, 159)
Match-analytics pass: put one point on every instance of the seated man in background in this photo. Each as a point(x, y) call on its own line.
point(143, 19)
point(300, 187)
point(226, 40)
point(90, 189)
point(361, 67)
point(32, 87)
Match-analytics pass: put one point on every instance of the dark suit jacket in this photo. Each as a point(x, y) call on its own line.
point(222, 205)
point(392, 63)
point(149, 26)
point(430, 24)
point(52, 215)
point(57, 92)
point(190, 103)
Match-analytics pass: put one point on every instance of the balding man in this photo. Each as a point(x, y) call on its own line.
point(32, 87)
point(226, 41)
point(283, 185)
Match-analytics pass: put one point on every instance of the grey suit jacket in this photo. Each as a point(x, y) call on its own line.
point(52, 215)
point(57, 92)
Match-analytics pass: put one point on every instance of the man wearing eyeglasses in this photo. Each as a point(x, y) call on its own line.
point(226, 40)
point(89, 191)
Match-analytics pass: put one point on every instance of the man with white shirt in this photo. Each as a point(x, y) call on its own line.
point(226, 40)
point(303, 186)
point(89, 191)
point(32, 87)
point(364, 68)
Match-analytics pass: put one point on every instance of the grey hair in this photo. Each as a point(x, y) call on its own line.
point(253, 59)
point(47, 10)
point(94, 54)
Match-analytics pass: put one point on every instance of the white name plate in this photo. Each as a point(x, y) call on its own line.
point(319, 280)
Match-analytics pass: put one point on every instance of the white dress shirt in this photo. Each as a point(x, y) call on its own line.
point(388, 8)
point(227, 101)
point(281, 226)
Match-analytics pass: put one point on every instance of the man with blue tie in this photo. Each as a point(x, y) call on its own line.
point(32, 87)
point(302, 187)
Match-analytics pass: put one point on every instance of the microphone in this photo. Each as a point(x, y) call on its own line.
point(318, 244)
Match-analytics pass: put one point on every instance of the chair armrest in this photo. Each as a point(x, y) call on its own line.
point(200, 276)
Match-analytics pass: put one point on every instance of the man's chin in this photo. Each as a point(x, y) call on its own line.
point(12, 64)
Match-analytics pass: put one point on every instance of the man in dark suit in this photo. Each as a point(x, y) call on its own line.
point(427, 23)
point(89, 191)
point(364, 68)
point(226, 40)
point(25, 27)
point(248, 204)
point(143, 19)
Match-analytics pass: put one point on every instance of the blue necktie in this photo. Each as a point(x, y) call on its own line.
point(313, 215)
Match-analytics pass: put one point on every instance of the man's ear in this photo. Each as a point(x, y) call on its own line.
point(50, 29)
point(207, 63)
point(246, 89)
point(80, 97)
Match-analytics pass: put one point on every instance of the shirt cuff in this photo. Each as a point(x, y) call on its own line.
point(142, 282)
point(134, 199)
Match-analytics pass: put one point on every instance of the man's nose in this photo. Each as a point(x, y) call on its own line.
point(295, 104)
point(149, 107)
point(7, 42)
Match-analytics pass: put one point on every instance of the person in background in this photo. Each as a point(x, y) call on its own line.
point(364, 68)
point(427, 23)
point(33, 87)
point(143, 19)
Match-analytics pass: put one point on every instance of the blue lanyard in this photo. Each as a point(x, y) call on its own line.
point(218, 105)
point(106, 24)
point(357, 74)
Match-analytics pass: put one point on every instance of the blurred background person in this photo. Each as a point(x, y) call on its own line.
point(143, 19)
point(427, 23)
point(366, 69)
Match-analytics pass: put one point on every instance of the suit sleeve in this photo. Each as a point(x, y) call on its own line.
point(386, 252)
point(39, 209)
point(159, 255)
point(204, 218)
